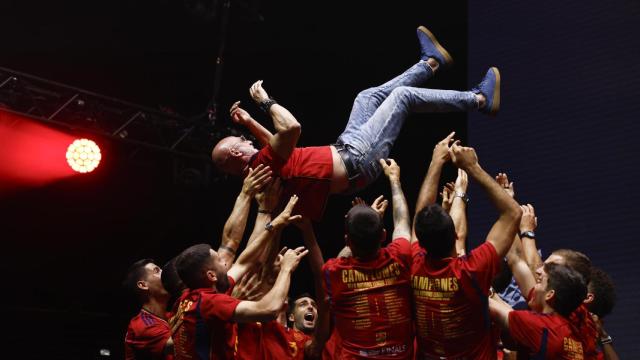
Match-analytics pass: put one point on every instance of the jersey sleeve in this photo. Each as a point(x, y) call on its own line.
point(268, 157)
point(484, 263)
point(150, 339)
point(217, 307)
point(525, 329)
point(401, 248)
point(326, 279)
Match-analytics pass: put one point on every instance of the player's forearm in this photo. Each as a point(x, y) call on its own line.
point(400, 211)
point(260, 132)
point(315, 254)
point(429, 188)
point(236, 223)
point(504, 203)
point(283, 120)
point(530, 253)
point(609, 352)
point(272, 302)
point(499, 311)
point(458, 214)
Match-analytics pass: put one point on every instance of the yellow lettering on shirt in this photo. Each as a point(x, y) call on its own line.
point(357, 279)
point(573, 349)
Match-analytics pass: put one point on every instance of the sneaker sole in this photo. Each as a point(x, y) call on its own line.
point(495, 104)
point(445, 54)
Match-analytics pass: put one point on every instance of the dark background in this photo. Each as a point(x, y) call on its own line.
point(570, 91)
point(567, 131)
point(68, 244)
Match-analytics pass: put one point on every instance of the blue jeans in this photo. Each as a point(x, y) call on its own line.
point(378, 115)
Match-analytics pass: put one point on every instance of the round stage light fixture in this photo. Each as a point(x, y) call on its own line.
point(83, 155)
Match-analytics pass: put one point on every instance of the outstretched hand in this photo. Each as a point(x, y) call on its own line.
point(285, 218)
point(441, 150)
point(292, 258)
point(503, 181)
point(239, 115)
point(462, 156)
point(258, 93)
point(529, 220)
point(391, 169)
point(448, 194)
point(256, 179)
point(379, 205)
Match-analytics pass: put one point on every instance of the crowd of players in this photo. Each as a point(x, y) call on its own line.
point(423, 295)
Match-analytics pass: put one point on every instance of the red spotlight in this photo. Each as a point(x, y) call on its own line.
point(83, 155)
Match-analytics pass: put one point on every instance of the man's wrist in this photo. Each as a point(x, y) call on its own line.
point(606, 339)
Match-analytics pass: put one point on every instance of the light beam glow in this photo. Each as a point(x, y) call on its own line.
point(83, 155)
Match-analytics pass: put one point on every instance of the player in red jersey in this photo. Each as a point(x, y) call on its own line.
point(547, 332)
point(148, 335)
point(273, 340)
point(206, 331)
point(369, 292)
point(450, 292)
point(375, 122)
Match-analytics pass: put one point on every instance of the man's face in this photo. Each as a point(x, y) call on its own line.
point(552, 259)
point(540, 297)
point(240, 144)
point(305, 314)
point(218, 267)
point(153, 281)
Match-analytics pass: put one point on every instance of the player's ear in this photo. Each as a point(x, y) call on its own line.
point(142, 285)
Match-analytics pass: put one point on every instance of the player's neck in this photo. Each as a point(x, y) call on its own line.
point(156, 307)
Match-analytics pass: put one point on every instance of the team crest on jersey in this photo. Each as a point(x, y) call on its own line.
point(293, 348)
point(381, 337)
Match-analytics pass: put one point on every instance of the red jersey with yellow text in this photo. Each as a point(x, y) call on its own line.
point(545, 336)
point(307, 173)
point(205, 330)
point(146, 337)
point(450, 304)
point(270, 340)
point(371, 303)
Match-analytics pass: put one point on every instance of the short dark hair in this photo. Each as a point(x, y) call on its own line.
point(364, 227)
point(170, 278)
point(135, 273)
point(569, 287)
point(293, 300)
point(435, 231)
point(191, 264)
point(604, 293)
point(577, 261)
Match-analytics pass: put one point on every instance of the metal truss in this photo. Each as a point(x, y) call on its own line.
point(86, 112)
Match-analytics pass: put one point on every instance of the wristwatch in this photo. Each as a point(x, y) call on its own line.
point(269, 226)
point(606, 340)
point(463, 196)
point(529, 234)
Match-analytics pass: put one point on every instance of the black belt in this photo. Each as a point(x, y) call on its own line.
point(356, 180)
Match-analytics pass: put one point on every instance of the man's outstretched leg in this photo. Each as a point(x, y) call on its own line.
point(374, 139)
point(432, 57)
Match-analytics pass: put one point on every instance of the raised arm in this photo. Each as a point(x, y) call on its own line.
point(528, 224)
point(459, 211)
point(251, 254)
point(313, 348)
point(242, 117)
point(267, 308)
point(519, 268)
point(237, 221)
point(401, 226)
point(286, 125)
point(499, 311)
point(503, 231)
point(429, 189)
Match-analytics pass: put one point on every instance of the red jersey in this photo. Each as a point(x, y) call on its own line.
point(450, 303)
point(332, 348)
point(205, 330)
point(146, 337)
point(371, 303)
point(270, 340)
point(307, 173)
point(547, 336)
